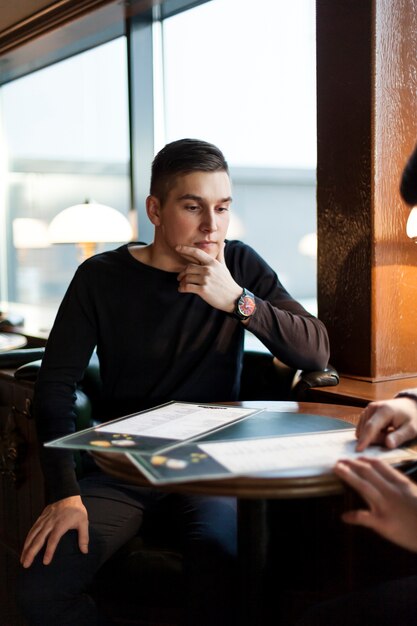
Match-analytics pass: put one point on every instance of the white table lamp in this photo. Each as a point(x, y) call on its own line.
point(307, 245)
point(88, 224)
point(412, 224)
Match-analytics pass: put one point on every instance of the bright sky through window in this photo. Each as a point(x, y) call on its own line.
point(242, 75)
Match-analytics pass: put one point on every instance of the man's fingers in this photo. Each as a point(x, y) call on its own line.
point(51, 545)
point(83, 538)
point(34, 542)
point(190, 278)
point(56, 519)
point(194, 254)
point(360, 517)
point(31, 536)
point(32, 548)
point(53, 541)
point(27, 556)
point(189, 270)
point(220, 256)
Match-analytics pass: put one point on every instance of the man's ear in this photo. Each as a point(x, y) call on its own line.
point(153, 209)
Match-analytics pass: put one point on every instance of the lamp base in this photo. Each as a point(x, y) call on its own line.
point(85, 250)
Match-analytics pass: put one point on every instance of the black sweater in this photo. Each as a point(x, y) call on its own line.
point(155, 344)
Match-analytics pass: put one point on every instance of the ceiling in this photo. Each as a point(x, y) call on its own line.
point(14, 12)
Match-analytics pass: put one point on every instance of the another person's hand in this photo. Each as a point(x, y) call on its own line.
point(55, 520)
point(388, 422)
point(209, 278)
point(391, 497)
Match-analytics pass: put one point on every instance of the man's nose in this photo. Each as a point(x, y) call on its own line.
point(209, 221)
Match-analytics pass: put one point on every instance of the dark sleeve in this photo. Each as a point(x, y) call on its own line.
point(69, 347)
point(293, 335)
point(408, 393)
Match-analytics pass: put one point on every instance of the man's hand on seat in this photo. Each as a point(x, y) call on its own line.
point(55, 520)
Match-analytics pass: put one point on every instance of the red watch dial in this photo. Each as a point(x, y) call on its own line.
point(246, 305)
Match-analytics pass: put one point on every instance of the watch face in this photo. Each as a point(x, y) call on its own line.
point(246, 305)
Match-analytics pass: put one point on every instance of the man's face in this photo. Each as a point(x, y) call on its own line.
point(194, 213)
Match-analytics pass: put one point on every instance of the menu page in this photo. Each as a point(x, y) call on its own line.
point(155, 429)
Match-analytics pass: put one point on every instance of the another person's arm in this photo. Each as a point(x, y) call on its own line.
point(388, 422)
point(390, 496)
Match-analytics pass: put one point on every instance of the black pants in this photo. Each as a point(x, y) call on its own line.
point(56, 593)
point(387, 604)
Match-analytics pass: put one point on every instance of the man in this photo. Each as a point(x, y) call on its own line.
point(167, 320)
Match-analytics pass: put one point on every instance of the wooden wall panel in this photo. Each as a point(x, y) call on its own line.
point(344, 178)
point(367, 127)
point(395, 133)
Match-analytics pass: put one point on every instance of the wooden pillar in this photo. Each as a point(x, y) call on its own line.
point(367, 128)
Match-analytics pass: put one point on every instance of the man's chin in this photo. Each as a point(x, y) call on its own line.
point(212, 249)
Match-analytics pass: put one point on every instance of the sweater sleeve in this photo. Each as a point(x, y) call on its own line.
point(293, 335)
point(73, 335)
point(408, 393)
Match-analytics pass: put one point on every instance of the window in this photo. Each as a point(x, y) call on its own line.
point(239, 74)
point(243, 77)
point(65, 139)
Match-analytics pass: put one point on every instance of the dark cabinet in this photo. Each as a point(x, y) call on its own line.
point(21, 486)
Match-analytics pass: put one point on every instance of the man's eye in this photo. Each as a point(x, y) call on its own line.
point(191, 207)
point(221, 209)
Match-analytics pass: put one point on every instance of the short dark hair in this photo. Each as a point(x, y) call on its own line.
point(182, 157)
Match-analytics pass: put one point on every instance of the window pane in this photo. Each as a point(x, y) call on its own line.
point(65, 139)
point(242, 75)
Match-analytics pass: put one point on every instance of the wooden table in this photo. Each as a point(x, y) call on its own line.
point(253, 494)
point(306, 484)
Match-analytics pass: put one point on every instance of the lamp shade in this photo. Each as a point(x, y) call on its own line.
point(89, 222)
point(412, 224)
point(308, 245)
point(29, 232)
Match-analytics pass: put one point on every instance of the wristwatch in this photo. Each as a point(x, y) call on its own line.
point(245, 305)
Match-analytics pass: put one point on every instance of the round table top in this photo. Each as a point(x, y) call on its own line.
point(11, 341)
point(306, 483)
